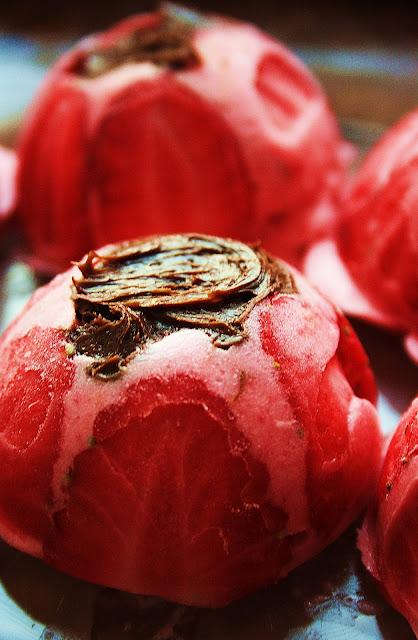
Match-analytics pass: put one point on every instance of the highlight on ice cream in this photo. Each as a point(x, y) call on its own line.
point(8, 166)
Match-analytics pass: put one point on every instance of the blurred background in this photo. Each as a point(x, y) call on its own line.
point(331, 23)
point(365, 54)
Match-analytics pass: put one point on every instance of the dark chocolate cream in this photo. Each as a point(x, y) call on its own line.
point(141, 291)
point(167, 44)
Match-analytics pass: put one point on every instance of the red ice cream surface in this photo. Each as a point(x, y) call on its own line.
point(377, 240)
point(389, 537)
point(233, 138)
point(200, 473)
point(8, 166)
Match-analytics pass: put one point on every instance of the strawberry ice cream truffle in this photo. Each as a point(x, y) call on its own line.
point(183, 416)
point(389, 537)
point(7, 182)
point(174, 121)
point(374, 258)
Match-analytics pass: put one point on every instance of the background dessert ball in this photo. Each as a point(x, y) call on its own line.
point(389, 537)
point(377, 240)
point(183, 416)
point(172, 122)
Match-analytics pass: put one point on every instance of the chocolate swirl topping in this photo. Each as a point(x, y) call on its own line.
point(167, 44)
point(144, 290)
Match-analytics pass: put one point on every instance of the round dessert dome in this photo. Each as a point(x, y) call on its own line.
point(171, 122)
point(389, 537)
point(183, 416)
point(374, 257)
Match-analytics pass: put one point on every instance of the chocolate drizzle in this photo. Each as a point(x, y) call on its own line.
point(167, 44)
point(144, 290)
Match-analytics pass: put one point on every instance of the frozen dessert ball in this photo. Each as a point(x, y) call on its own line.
point(172, 122)
point(183, 416)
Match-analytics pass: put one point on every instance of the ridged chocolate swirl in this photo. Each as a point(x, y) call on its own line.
point(169, 43)
point(144, 290)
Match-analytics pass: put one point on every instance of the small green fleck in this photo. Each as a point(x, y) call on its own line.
point(277, 365)
point(347, 330)
point(91, 441)
point(69, 349)
point(67, 479)
point(300, 432)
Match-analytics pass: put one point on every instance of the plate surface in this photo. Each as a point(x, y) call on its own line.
point(331, 597)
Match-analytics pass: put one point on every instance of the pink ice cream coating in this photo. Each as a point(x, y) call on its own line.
point(324, 267)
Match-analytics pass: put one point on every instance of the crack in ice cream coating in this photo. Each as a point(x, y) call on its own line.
point(144, 290)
